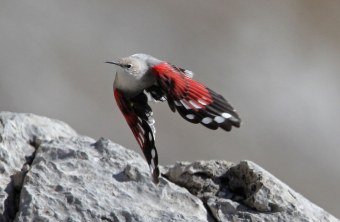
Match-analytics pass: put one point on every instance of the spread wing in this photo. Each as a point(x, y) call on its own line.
point(138, 115)
point(194, 102)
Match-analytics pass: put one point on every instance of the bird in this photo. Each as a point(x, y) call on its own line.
point(141, 78)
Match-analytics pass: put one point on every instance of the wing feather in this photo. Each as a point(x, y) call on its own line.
point(195, 102)
point(138, 115)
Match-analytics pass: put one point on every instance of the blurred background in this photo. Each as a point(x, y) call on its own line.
point(277, 62)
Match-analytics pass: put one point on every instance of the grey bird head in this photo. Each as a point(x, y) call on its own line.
point(136, 65)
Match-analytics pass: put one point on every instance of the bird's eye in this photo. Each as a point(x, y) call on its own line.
point(128, 66)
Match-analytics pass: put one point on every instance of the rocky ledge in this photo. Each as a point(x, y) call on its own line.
point(50, 173)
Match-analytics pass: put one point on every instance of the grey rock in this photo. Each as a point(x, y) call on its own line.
point(50, 173)
point(75, 178)
point(243, 192)
point(20, 135)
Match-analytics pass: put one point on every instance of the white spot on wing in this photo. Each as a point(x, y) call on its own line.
point(153, 153)
point(202, 102)
point(219, 119)
point(151, 121)
point(206, 120)
point(226, 115)
point(152, 165)
point(195, 104)
point(177, 103)
point(150, 136)
point(190, 116)
point(185, 105)
point(149, 114)
point(153, 128)
point(189, 73)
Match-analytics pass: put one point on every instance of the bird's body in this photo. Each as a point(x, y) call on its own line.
point(143, 75)
point(131, 85)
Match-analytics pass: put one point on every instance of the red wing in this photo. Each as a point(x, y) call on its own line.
point(195, 102)
point(138, 115)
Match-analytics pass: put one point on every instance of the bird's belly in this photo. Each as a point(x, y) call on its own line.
point(131, 85)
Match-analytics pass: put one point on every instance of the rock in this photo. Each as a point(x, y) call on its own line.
point(50, 173)
point(75, 178)
point(20, 135)
point(243, 192)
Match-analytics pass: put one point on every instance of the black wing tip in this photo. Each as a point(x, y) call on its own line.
point(155, 175)
point(228, 126)
point(237, 124)
point(235, 121)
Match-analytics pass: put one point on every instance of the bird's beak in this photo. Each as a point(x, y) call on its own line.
point(115, 63)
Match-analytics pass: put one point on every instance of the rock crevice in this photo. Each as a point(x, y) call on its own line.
point(50, 173)
point(13, 189)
